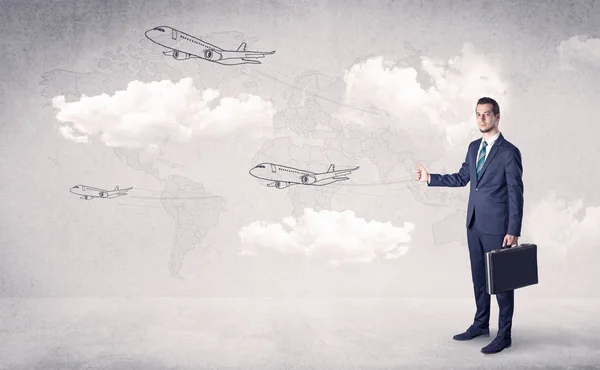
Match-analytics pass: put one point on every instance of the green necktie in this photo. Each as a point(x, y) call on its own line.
point(481, 160)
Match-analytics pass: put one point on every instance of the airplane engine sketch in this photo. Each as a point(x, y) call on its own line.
point(281, 177)
point(89, 192)
point(212, 55)
point(183, 46)
point(280, 184)
point(307, 179)
point(178, 55)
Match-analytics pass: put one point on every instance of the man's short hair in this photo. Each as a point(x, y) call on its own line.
point(486, 100)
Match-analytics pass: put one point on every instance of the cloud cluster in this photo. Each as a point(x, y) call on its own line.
point(147, 115)
point(553, 225)
point(447, 106)
point(582, 49)
point(337, 237)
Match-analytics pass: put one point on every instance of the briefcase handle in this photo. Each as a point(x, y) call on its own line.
point(520, 245)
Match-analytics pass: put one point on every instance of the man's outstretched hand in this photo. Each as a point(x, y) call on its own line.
point(510, 240)
point(421, 174)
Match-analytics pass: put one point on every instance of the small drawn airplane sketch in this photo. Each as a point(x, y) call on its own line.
point(282, 176)
point(88, 192)
point(184, 46)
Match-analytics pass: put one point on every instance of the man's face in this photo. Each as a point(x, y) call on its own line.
point(486, 121)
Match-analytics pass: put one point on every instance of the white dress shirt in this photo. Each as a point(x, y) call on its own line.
point(488, 148)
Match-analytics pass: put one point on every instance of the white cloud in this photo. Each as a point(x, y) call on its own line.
point(581, 49)
point(553, 226)
point(338, 237)
point(147, 115)
point(447, 106)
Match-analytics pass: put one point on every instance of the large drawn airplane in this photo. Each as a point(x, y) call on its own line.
point(282, 176)
point(184, 46)
point(88, 192)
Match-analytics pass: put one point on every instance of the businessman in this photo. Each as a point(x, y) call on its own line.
point(494, 215)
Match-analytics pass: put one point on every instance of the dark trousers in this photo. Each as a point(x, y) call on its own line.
point(479, 244)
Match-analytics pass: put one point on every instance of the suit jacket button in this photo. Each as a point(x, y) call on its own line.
point(476, 188)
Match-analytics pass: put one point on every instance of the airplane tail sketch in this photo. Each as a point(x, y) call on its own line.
point(333, 174)
point(122, 191)
point(246, 56)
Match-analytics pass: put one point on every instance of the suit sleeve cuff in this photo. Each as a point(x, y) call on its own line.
point(432, 178)
point(514, 232)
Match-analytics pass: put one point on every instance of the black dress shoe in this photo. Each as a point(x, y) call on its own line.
point(497, 345)
point(472, 332)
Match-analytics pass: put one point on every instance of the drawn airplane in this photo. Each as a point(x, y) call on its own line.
point(282, 176)
point(88, 192)
point(184, 46)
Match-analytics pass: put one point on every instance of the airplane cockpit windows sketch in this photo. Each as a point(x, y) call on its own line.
point(88, 192)
point(183, 46)
point(281, 176)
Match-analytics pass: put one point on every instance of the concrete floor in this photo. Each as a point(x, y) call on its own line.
point(281, 333)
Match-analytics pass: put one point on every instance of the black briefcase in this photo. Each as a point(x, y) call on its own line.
point(511, 268)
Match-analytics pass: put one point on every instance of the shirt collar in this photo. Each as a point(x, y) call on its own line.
point(491, 140)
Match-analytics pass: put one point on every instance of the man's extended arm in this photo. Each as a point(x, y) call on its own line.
point(461, 178)
point(514, 179)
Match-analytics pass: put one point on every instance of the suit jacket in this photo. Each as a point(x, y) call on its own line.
point(497, 197)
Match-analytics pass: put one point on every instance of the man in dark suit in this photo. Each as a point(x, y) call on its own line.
point(494, 216)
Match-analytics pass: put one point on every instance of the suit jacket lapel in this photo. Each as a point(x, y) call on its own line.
point(490, 156)
point(473, 159)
